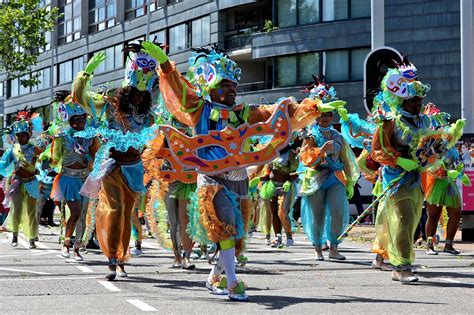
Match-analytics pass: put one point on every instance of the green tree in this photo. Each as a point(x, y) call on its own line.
point(23, 24)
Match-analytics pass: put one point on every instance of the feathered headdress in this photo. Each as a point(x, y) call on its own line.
point(26, 121)
point(402, 83)
point(208, 67)
point(141, 68)
point(65, 108)
point(318, 89)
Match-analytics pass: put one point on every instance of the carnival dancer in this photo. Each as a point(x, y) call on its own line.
point(394, 141)
point(331, 173)
point(18, 163)
point(72, 157)
point(118, 169)
point(207, 103)
point(44, 204)
point(440, 188)
point(279, 192)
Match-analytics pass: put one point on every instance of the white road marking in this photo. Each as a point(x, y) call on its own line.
point(27, 271)
point(2, 256)
point(49, 278)
point(456, 281)
point(142, 306)
point(85, 269)
point(23, 243)
point(42, 252)
point(109, 286)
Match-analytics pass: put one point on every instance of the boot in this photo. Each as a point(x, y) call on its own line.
point(32, 244)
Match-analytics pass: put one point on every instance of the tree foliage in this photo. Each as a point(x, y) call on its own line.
point(23, 24)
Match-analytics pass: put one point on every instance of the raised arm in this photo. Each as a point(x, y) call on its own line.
point(301, 114)
point(180, 96)
point(81, 87)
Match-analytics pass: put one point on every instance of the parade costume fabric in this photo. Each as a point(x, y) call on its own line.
point(222, 195)
point(118, 171)
point(324, 208)
point(403, 143)
point(18, 164)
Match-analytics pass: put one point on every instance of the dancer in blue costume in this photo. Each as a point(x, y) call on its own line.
point(331, 172)
point(18, 164)
point(207, 102)
point(72, 157)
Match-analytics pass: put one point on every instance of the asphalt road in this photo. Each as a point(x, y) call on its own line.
point(286, 280)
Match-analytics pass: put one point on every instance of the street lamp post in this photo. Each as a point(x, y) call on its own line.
point(377, 12)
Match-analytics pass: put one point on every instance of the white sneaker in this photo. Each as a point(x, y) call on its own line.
point(135, 252)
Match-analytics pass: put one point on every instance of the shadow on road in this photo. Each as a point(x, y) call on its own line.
point(280, 302)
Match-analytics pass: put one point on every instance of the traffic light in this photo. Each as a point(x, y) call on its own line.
point(376, 64)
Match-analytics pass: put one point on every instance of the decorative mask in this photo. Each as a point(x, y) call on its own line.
point(232, 140)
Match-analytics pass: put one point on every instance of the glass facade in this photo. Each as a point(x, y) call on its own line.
point(114, 59)
point(68, 69)
point(69, 24)
point(101, 14)
point(134, 8)
point(335, 65)
point(304, 12)
point(201, 32)
point(297, 69)
point(178, 38)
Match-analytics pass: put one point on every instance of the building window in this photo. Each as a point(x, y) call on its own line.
point(201, 32)
point(159, 37)
point(69, 24)
point(114, 59)
point(68, 69)
point(178, 38)
point(360, 8)
point(16, 88)
point(336, 65)
point(303, 12)
point(345, 65)
point(287, 13)
point(297, 12)
point(153, 5)
point(134, 8)
point(45, 80)
point(1, 89)
point(357, 63)
point(308, 12)
point(101, 15)
point(297, 69)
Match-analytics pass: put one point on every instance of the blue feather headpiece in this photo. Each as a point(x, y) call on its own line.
point(208, 67)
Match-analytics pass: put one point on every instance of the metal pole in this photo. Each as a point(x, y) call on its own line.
point(377, 12)
point(467, 66)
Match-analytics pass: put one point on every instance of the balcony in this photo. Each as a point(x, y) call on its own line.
point(241, 37)
point(254, 86)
